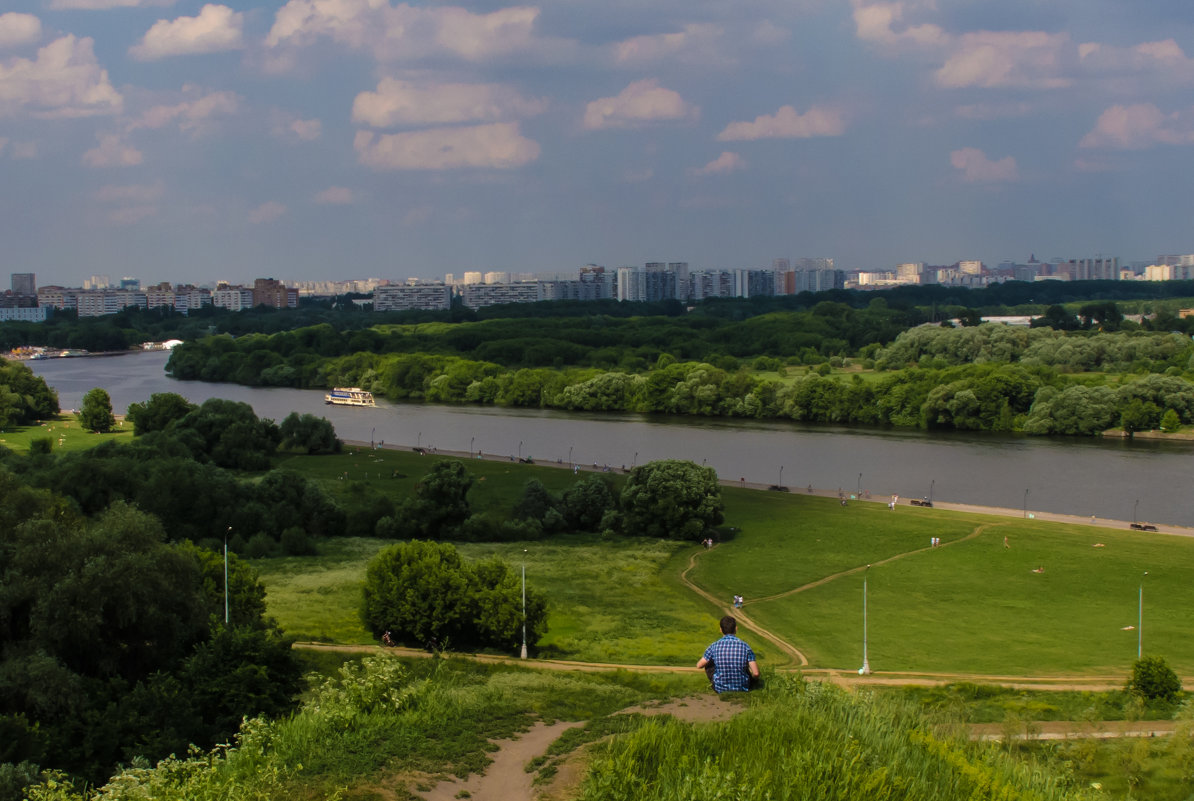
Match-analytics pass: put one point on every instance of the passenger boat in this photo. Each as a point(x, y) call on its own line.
point(349, 396)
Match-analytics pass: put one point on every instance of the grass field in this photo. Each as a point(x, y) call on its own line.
point(969, 607)
point(65, 435)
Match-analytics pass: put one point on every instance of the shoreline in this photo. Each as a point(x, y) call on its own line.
point(1051, 517)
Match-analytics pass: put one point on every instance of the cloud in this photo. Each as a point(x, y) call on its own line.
point(404, 32)
point(977, 168)
point(267, 212)
point(640, 103)
point(112, 152)
point(1140, 126)
point(398, 102)
point(128, 215)
point(64, 81)
point(992, 111)
point(288, 126)
point(104, 5)
point(335, 196)
point(727, 162)
point(19, 29)
point(637, 176)
point(24, 150)
point(216, 29)
point(698, 39)
point(786, 123)
point(495, 146)
point(192, 115)
point(877, 23)
point(768, 33)
point(1025, 59)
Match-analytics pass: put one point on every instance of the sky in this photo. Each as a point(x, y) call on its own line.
point(177, 141)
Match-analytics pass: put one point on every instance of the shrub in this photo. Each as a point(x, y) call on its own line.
point(260, 546)
point(1153, 680)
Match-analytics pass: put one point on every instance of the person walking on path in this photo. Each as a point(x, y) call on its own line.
point(729, 662)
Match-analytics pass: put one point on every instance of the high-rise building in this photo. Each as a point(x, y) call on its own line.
point(271, 292)
point(24, 283)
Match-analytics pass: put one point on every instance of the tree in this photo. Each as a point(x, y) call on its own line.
point(426, 595)
point(1153, 680)
point(96, 414)
point(672, 499)
point(440, 504)
point(309, 433)
point(162, 409)
point(1170, 421)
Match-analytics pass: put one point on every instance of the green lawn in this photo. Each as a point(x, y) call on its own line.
point(970, 607)
point(64, 434)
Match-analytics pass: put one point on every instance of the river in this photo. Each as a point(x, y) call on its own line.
point(1117, 479)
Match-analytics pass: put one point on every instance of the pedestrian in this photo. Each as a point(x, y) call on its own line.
point(1005, 545)
point(729, 662)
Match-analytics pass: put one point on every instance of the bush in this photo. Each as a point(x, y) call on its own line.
point(672, 499)
point(260, 546)
point(1153, 680)
point(41, 445)
point(296, 542)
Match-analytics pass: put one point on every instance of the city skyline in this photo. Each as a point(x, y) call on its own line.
point(303, 139)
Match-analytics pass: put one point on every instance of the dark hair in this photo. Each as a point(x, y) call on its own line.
point(728, 624)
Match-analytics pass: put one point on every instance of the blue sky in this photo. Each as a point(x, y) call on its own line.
point(176, 140)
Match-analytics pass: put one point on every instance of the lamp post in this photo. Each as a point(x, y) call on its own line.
point(471, 440)
point(1140, 621)
point(781, 475)
point(865, 670)
point(524, 605)
point(634, 462)
point(227, 607)
point(372, 431)
point(858, 493)
point(520, 450)
point(1026, 503)
point(1134, 509)
point(419, 442)
point(931, 485)
point(570, 465)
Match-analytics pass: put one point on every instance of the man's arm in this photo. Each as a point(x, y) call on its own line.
point(753, 666)
point(702, 662)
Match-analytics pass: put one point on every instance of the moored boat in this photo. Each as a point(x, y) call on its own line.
point(349, 396)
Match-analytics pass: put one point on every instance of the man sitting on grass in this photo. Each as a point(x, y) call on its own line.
point(729, 662)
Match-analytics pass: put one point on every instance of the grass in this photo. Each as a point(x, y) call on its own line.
point(64, 433)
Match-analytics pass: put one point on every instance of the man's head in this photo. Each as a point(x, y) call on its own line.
point(729, 625)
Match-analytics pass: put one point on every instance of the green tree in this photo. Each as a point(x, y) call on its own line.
point(309, 433)
point(671, 499)
point(96, 414)
point(586, 502)
point(1153, 680)
point(162, 409)
point(1170, 421)
point(440, 504)
point(426, 595)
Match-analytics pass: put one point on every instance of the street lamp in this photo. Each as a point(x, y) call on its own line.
point(865, 670)
point(419, 443)
point(372, 431)
point(1140, 621)
point(634, 462)
point(226, 604)
point(570, 457)
point(1026, 503)
point(1134, 508)
point(781, 475)
point(859, 492)
point(524, 604)
point(471, 440)
point(931, 485)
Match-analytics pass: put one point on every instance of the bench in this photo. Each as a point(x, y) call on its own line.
point(920, 502)
point(1143, 527)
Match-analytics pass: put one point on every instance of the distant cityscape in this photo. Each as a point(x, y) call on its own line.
point(653, 282)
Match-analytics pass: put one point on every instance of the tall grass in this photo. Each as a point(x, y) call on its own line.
point(816, 743)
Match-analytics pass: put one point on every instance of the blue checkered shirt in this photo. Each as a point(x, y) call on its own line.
point(730, 656)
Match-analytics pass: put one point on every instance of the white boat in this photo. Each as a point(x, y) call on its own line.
point(349, 396)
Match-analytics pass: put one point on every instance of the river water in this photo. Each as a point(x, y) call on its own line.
point(1117, 479)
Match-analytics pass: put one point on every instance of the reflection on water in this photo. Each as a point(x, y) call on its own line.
point(1073, 476)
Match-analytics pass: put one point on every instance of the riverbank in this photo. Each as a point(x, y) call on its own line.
point(866, 497)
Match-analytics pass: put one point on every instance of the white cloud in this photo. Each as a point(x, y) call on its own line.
point(335, 196)
point(725, 163)
point(398, 102)
point(992, 111)
point(698, 39)
point(19, 29)
point(104, 5)
point(977, 168)
point(128, 215)
point(640, 103)
point(405, 32)
point(64, 81)
point(878, 23)
point(24, 150)
point(192, 115)
point(267, 212)
point(787, 123)
point(495, 146)
point(216, 29)
point(768, 33)
point(1026, 59)
point(112, 152)
point(1139, 126)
